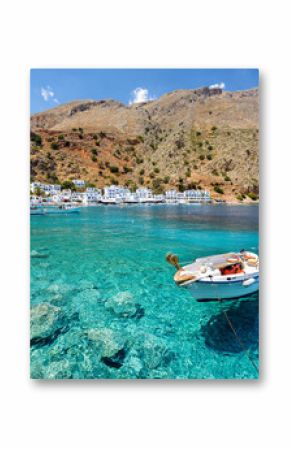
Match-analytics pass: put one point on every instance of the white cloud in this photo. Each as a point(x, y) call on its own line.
point(47, 94)
point(217, 86)
point(140, 95)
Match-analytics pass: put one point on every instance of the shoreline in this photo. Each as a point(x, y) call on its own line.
point(99, 204)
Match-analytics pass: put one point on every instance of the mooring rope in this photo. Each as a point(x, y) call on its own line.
point(238, 338)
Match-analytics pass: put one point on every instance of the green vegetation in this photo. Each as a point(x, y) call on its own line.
point(253, 196)
point(52, 177)
point(227, 178)
point(54, 146)
point(36, 138)
point(213, 128)
point(142, 171)
point(60, 137)
point(94, 159)
point(218, 189)
point(239, 197)
point(94, 151)
point(209, 157)
point(157, 186)
point(114, 169)
point(38, 192)
point(128, 169)
point(139, 160)
point(68, 185)
point(141, 180)
point(156, 170)
point(202, 157)
point(181, 186)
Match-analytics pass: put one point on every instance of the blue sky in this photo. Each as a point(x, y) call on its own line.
point(50, 87)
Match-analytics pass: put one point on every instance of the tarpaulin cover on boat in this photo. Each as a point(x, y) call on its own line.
point(219, 260)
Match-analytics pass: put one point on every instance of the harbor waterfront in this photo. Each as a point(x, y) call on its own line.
point(42, 194)
point(104, 305)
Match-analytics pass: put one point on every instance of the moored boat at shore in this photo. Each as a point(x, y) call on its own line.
point(62, 209)
point(37, 209)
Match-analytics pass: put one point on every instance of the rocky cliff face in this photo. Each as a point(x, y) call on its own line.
point(200, 138)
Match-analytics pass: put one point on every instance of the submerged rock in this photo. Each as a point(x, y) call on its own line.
point(59, 370)
point(116, 361)
point(37, 255)
point(153, 351)
point(46, 322)
point(122, 304)
point(108, 342)
point(87, 295)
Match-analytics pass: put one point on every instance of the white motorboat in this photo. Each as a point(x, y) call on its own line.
point(108, 200)
point(222, 276)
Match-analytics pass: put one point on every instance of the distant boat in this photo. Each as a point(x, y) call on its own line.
point(62, 209)
point(108, 200)
point(37, 210)
point(222, 276)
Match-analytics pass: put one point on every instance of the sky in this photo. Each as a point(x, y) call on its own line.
point(51, 87)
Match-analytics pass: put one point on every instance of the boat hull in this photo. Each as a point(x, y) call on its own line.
point(202, 290)
point(37, 212)
point(55, 211)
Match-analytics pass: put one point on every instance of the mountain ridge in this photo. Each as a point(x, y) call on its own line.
point(193, 137)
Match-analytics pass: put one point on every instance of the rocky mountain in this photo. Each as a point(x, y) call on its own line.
point(202, 138)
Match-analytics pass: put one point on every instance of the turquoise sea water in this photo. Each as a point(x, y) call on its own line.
point(104, 304)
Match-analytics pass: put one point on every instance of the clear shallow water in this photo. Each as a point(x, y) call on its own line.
point(111, 309)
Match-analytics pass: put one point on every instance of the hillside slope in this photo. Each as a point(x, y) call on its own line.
point(186, 138)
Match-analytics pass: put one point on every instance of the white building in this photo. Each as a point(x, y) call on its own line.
point(65, 195)
point(144, 193)
point(116, 192)
point(79, 182)
point(92, 197)
point(171, 196)
point(158, 198)
point(48, 189)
